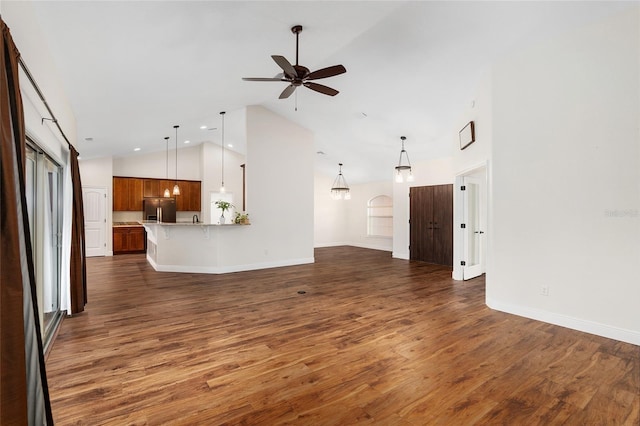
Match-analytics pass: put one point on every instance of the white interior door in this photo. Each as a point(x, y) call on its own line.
point(474, 202)
point(95, 220)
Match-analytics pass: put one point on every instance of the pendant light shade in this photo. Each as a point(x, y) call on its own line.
point(222, 190)
point(402, 167)
point(340, 189)
point(176, 188)
point(167, 194)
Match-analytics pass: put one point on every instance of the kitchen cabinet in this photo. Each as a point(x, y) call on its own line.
point(152, 188)
point(431, 224)
point(189, 198)
point(129, 239)
point(182, 200)
point(195, 196)
point(129, 192)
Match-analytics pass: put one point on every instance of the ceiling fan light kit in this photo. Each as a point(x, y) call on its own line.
point(400, 168)
point(298, 75)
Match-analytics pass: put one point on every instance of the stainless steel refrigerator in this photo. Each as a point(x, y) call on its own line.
point(160, 209)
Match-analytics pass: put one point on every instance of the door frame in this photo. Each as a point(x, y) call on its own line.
point(458, 216)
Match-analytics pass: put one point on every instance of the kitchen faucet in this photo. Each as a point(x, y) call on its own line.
point(195, 219)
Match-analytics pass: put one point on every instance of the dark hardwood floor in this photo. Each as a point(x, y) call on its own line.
point(374, 340)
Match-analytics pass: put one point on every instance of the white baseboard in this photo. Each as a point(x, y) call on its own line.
point(370, 246)
point(397, 255)
point(321, 245)
point(599, 329)
point(228, 269)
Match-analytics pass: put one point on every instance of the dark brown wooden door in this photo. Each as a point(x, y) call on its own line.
point(420, 223)
point(443, 225)
point(431, 224)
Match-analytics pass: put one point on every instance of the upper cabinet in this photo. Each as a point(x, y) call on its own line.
point(129, 192)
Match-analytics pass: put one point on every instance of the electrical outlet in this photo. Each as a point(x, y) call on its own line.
point(544, 290)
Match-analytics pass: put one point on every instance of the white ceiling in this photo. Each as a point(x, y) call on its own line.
point(134, 69)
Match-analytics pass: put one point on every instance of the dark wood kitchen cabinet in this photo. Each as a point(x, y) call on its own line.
point(129, 239)
point(127, 194)
point(431, 224)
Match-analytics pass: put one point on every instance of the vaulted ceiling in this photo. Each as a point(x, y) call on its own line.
point(134, 69)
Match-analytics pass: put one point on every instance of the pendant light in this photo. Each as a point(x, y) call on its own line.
point(167, 194)
point(222, 190)
point(402, 167)
point(176, 188)
point(340, 189)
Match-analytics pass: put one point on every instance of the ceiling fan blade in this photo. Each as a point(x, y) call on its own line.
point(321, 89)
point(287, 91)
point(286, 66)
point(326, 72)
point(262, 79)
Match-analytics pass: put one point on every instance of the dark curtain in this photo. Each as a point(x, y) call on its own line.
point(24, 394)
point(78, 259)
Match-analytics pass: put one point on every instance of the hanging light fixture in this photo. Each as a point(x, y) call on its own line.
point(340, 189)
point(167, 194)
point(222, 190)
point(176, 188)
point(401, 167)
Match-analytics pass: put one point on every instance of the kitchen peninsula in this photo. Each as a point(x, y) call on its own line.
point(197, 247)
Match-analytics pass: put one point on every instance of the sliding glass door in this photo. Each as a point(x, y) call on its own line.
point(43, 181)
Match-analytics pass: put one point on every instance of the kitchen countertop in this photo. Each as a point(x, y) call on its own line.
point(153, 222)
point(119, 224)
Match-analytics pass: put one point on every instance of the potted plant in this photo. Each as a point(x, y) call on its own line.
point(242, 218)
point(224, 206)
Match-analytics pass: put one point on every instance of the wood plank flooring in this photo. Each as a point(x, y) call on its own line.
point(374, 340)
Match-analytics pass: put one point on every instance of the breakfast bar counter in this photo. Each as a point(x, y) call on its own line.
point(195, 247)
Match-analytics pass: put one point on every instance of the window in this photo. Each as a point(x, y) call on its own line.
point(380, 217)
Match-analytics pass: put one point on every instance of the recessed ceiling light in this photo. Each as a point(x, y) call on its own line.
point(230, 145)
point(203, 127)
point(136, 149)
point(187, 141)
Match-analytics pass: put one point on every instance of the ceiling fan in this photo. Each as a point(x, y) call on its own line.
point(298, 75)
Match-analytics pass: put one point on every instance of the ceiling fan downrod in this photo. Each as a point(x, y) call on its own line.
point(296, 29)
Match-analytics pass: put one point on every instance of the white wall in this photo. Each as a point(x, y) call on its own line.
point(566, 180)
point(468, 161)
point(357, 208)
point(331, 219)
point(434, 172)
point(210, 164)
point(344, 222)
point(154, 164)
point(22, 21)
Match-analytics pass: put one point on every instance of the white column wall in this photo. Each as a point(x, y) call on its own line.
point(279, 173)
point(566, 180)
